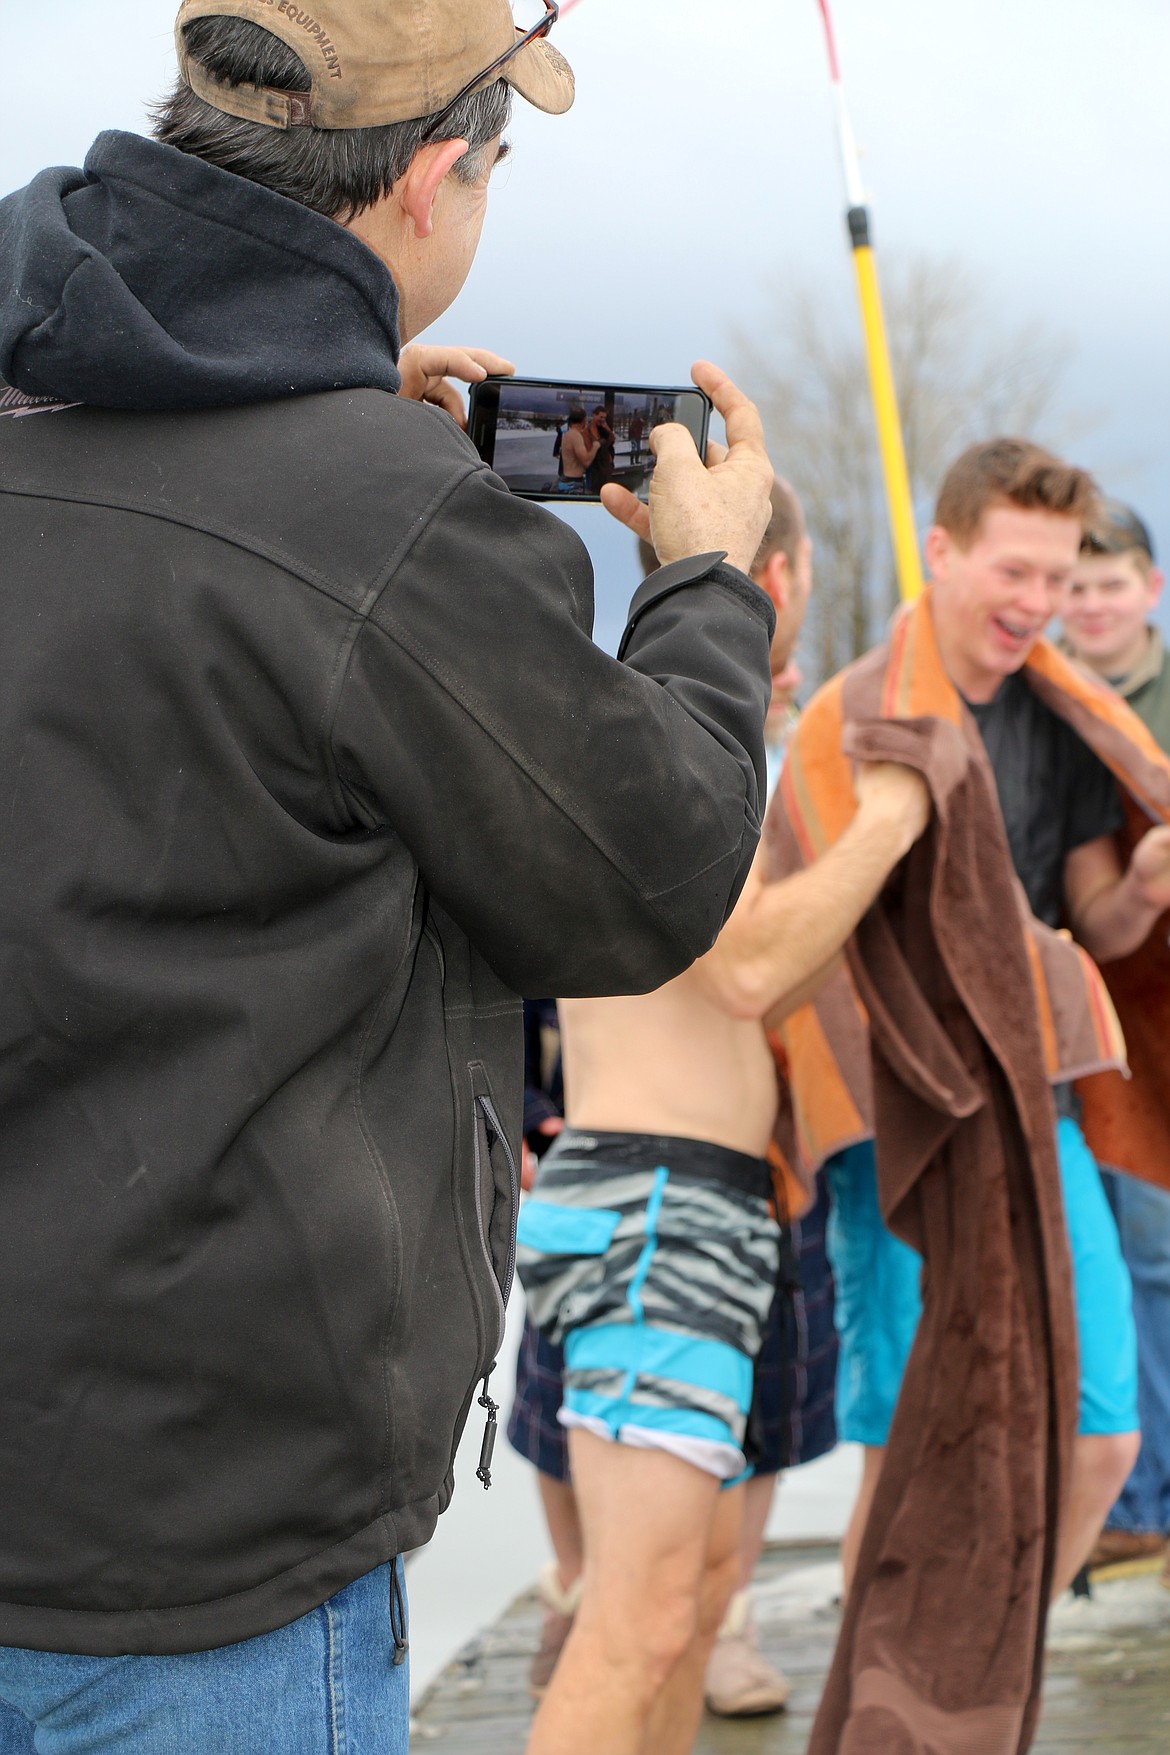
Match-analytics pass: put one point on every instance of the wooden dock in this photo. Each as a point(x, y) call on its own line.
point(1108, 1684)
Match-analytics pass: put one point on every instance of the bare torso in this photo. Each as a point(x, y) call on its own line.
point(669, 1062)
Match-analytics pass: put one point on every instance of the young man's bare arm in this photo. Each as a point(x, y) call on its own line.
point(784, 936)
point(1112, 911)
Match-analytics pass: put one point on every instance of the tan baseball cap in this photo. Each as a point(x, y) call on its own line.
point(378, 61)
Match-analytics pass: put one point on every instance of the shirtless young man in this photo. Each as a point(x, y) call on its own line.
point(651, 1246)
point(579, 446)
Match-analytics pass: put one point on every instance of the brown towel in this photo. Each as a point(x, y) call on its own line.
point(959, 1012)
point(941, 1645)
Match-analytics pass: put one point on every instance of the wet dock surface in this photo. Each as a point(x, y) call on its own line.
point(1107, 1689)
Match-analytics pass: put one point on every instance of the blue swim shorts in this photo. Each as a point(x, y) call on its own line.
point(878, 1301)
point(793, 1417)
point(654, 1261)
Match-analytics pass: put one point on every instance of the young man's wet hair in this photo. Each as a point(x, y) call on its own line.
point(1011, 472)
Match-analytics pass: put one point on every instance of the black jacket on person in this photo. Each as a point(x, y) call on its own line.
point(308, 767)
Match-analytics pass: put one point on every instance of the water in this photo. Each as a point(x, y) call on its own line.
point(490, 1546)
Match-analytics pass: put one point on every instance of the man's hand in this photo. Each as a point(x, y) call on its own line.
point(548, 1129)
point(426, 373)
point(1150, 866)
point(897, 794)
point(696, 506)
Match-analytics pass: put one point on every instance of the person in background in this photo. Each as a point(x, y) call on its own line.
point(601, 432)
point(1107, 612)
point(578, 449)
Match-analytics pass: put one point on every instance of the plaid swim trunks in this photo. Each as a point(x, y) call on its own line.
point(655, 1261)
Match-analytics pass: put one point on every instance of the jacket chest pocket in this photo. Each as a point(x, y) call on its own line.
point(497, 1190)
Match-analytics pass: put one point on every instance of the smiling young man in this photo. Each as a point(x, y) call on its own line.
point(1002, 551)
point(1107, 610)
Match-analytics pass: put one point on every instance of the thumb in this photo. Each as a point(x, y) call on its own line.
point(671, 440)
point(621, 504)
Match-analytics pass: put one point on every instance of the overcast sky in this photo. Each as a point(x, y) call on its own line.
point(1030, 137)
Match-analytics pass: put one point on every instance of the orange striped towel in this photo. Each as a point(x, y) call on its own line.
point(826, 1044)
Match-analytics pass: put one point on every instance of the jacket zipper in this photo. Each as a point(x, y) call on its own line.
point(491, 1121)
point(491, 1426)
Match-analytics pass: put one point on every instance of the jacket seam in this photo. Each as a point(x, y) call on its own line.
point(712, 865)
point(544, 783)
point(305, 575)
point(218, 532)
point(358, 620)
point(545, 788)
point(237, 538)
point(382, 1177)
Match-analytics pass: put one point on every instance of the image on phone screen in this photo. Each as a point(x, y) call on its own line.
point(565, 441)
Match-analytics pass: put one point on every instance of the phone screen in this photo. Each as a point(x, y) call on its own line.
point(563, 441)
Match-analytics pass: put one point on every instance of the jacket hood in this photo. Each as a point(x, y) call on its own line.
point(152, 280)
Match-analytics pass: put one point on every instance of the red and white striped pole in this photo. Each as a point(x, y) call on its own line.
point(899, 499)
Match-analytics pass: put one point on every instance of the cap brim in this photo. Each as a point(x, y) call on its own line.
point(541, 74)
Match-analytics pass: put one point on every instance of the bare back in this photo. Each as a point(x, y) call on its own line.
point(669, 1062)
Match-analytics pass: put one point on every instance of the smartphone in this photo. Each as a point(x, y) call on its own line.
point(563, 440)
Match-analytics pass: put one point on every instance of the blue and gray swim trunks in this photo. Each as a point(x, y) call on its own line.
point(655, 1261)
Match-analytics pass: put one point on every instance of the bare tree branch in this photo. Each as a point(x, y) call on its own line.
point(961, 375)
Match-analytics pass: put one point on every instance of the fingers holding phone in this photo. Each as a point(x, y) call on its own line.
point(724, 503)
point(552, 439)
point(427, 370)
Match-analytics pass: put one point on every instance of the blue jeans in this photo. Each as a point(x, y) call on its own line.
point(1143, 1223)
point(325, 1685)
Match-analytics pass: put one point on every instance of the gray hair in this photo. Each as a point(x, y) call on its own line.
point(336, 171)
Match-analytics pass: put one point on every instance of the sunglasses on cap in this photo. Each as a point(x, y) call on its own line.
point(523, 37)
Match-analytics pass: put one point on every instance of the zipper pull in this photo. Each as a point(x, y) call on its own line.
point(487, 1448)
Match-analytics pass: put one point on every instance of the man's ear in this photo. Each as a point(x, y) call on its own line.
point(419, 188)
point(1156, 580)
point(938, 552)
point(775, 578)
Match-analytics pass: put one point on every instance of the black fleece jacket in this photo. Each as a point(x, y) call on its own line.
point(309, 767)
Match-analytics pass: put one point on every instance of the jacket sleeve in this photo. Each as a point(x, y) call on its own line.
point(588, 823)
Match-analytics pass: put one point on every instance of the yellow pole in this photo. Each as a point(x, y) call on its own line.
point(899, 499)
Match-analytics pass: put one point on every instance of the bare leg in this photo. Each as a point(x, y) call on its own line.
point(872, 1457)
point(647, 1520)
point(564, 1527)
point(757, 1503)
point(739, 1681)
point(1101, 1467)
point(675, 1718)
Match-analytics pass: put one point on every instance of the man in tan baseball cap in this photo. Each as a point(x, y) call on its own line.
point(383, 115)
point(319, 770)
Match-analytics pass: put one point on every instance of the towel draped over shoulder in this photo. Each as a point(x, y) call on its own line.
point(957, 1012)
